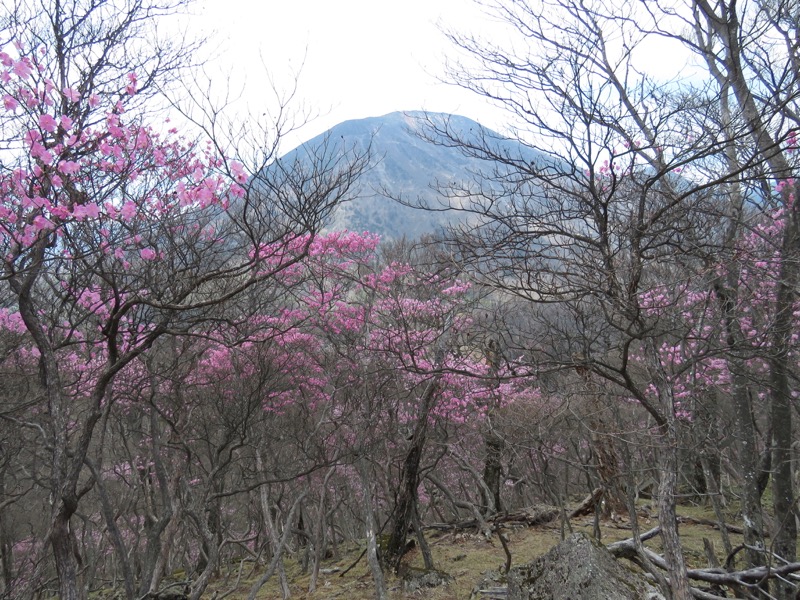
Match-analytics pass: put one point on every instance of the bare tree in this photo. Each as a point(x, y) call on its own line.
point(628, 189)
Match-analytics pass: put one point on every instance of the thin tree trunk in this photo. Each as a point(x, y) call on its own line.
point(320, 532)
point(113, 532)
point(494, 445)
point(406, 507)
point(63, 542)
point(668, 516)
point(272, 534)
point(784, 527)
point(668, 480)
point(370, 532)
point(728, 32)
point(279, 547)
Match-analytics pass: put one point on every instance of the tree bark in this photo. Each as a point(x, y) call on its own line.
point(407, 499)
point(494, 445)
point(668, 480)
point(370, 532)
point(726, 27)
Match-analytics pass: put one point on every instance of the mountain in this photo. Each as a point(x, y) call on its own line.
point(404, 165)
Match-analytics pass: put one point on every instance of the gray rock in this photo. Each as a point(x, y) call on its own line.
point(415, 580)
point(578, 569)
point(493, 585)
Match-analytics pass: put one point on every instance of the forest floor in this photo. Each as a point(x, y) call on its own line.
point(466, 556)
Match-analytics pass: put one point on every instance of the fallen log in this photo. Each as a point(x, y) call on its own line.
point(588, 504)
point(528, 517)
point(716, 575)
point(715, 524)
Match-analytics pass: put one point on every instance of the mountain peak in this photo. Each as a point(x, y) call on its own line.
point(405, 165)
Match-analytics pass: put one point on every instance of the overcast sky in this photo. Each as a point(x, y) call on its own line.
point(361, 58)
point(357, 58)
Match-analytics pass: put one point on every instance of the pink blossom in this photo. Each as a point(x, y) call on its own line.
point(23, 68)
point(130, 89)
point(238, 171)
point(90, 210)
point(32, 136)
point(70, 94)
point(40, 152)
point(128, 210)
point(68, 167)
point(48, 123)
point(10, 103)
point(60, 212)
point(41, 223)
point(147, 253)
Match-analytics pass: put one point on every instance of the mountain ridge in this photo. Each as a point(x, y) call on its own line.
point(404, 165)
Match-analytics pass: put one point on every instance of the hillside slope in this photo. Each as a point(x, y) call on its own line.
point(403, 165)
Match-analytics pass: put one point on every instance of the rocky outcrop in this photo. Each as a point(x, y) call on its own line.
point(417, 580)
point(578, 569)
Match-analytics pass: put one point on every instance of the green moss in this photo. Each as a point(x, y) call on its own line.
point(466, 557)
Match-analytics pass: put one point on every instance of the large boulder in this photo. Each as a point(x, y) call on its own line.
point(578, 569)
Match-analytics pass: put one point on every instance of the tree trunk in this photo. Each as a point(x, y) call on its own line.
point(279, 546)
point(668, 480)
point(272, 534)
point(784, 528)
point(66, 557)
point(370, 532)
point(6, 546)
point(114, 533)
point(785, 531)
point(668, 517)
point(406, 507)
point(495, 445)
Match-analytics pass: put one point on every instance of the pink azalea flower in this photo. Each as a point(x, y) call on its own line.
point(68, 167)
point(10, 103)
point(91, 210)
point(70, 94)
point(40, 152)
point(31, 137)
point(128, 210)
point(130, 89)
point(60, 212)
point(40, 223)
point(48, 123)
point(238, 171)
point(23, 68)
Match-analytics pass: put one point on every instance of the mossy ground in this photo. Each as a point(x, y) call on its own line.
point(466, 556)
